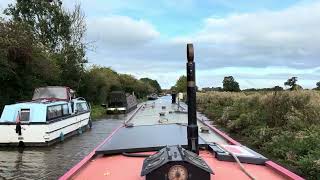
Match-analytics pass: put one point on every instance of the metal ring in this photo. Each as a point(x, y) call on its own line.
point(190, 52)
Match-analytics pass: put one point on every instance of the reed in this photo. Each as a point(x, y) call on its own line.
point(97, 112)
point(283, 124)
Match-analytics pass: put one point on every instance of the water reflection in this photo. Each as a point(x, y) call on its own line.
point(52, 162)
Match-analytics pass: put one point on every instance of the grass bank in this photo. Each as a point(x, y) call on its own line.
point(285, 125)
point(97, 112)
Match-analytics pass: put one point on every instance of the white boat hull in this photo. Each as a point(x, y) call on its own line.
point(43, 133)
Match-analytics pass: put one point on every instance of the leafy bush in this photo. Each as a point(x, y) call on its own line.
point(97, 112)
point(285, 125)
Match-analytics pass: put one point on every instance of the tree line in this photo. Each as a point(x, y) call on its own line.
point(43, 44)
point(231, 85)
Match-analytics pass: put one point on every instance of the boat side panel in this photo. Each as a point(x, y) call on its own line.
point(30, 133)
point(44, 132)
point(283, 171)
point(66, 126)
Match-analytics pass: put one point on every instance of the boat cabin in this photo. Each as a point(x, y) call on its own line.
point(48, 104)
point(52, 113)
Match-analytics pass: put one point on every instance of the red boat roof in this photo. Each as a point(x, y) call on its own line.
point(121, 167)
point(116, 167)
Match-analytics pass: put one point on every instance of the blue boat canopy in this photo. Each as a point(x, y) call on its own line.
point(48, 103)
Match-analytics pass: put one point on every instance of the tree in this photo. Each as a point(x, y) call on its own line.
point(229, 84)
point(131, 84)
point(205, 89)
point(277, 88)
point(292, 82)
point(318, 86)
point(60, 32)
point(181, 84)
point(98, 82)
point(153, 83)
point(24, 65)
point(42, 44)
point(48, 21)
point(72, 56)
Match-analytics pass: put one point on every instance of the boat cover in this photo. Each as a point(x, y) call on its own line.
point(50, 92)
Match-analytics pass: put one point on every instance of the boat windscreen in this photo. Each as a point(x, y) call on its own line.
point(50, 92)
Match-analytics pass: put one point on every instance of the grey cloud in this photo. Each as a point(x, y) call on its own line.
point(120, 31)
point(287, 38)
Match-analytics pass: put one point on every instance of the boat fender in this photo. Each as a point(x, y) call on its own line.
point(204, 129)
point(18, 128)
point(128, 125)
point(80, 130)
point(61, 136)
point(163, 120)
point(21, 144)
point(90, 123)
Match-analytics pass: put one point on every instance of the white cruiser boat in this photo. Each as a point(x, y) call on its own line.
point(53, 114)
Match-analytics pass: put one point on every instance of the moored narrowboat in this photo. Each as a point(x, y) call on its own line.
point(121, 102)
point(53, 114)
point(153, 96)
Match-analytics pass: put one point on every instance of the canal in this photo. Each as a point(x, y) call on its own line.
point(53, 161)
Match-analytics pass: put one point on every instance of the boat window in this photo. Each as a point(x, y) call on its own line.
point(25, 115)
point(54, 112)
point(81, 107)
point(65, 109)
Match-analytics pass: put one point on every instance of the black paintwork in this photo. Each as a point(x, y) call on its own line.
point(119, 99)
point(157, 166)
point(174, 96)
point(222, 155)
point(193, 135)
point(146, 138)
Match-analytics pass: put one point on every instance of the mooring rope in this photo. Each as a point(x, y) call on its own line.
point(239, 163)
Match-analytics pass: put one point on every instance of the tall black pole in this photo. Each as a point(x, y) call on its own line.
point(193, 140)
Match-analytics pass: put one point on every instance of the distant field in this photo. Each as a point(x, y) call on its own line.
point(284, 125)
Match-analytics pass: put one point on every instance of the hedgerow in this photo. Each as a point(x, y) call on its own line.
point(283, 125)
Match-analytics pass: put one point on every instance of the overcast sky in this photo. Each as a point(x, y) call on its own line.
point(261, 43)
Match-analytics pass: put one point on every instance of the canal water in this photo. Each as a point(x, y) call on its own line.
point(53, 161)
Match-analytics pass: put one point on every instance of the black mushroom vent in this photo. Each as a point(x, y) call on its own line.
point(177, 163)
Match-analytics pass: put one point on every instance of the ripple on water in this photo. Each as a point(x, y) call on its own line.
point(52, 162)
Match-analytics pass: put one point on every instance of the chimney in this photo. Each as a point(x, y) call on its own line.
point(192, 129)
